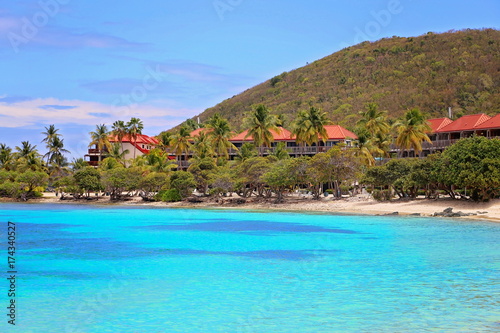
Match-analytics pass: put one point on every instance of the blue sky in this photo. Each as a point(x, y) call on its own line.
point(76, 63)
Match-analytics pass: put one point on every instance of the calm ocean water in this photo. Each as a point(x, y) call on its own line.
point(151, 270)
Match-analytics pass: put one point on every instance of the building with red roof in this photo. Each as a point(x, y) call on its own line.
point(281, 134)
point(489, 128)
point(141, 145)
point(445, 132)
point(336, 134)
point(462, 127)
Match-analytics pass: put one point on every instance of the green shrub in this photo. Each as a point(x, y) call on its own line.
point(171, 195)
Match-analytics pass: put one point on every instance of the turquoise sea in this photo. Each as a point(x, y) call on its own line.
point(149, 270)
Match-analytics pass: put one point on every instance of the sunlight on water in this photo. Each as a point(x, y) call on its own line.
point(113, 269)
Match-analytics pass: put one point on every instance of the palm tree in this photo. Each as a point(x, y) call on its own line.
point(219, 134)
point(56, 150)
point(134, 129)
point(202, 147)
point(412, 131)
point(374, 120)
point(100, 138)
point(259, 124)
point(246, 151)
point(165, 140)
point(117, 152)
point(366, 149)
point(78, 163)
point(281, 152)
point(180, 142)
point(50, 134)
point(5, 156)
point(119, 130)
point(309, 126)
point(26, 149)
point(382, 143)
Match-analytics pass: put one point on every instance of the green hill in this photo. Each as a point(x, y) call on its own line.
point(458, 69)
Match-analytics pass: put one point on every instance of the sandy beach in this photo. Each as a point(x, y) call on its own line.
point(364, 205)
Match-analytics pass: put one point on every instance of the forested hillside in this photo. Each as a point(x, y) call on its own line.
point(459, 69)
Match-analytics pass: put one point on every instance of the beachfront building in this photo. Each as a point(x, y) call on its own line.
point(139, 146)
point(445, 132)
point(336, 135)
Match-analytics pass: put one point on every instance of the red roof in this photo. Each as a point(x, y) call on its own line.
point(139, 141)
point(465, 123)
point(438, 123)
point(337, 132)
point(197, 132)
point(141, 138)
point(280, 135)
point(490, 123)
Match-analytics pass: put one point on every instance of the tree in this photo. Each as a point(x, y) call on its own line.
point(152, 183)
point(280, 151)
point(335, 167)
point(134, 129)
point(473, 163)
point(374, 120)
point(365, 148)
point(249, 176)
point(26, 149)
point(30, 181)
point(50, 135)
point(56, 150)
point(280, 178)
point(5, 156)
point(78, 163)
point(165, 140)
point(309, 127)
point(100, 138)
point(412, 131)
point(202, 171)
point(260, 124)
point(119, 130)
point(118, 180)
point(117, 152)
point(202, 147)
point(246, 151)
point(222, 182)
point(191, 124)
point(219, 133)
point(181, 143)
point(27, 158)
point(183, 182)
point(88, 179)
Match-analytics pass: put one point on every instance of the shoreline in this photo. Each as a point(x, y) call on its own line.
point(489, 211)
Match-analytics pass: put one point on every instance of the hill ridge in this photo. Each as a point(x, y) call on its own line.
point(458, 69)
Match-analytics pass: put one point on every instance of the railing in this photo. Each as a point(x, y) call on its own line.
point(94, 151)
point(93, 163)
point(438, 144)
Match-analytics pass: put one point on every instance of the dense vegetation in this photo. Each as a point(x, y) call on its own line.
point(469, 169)
point(430, 72)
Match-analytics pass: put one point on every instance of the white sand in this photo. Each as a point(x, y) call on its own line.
point(355, 205)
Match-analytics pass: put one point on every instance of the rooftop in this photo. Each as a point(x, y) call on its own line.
point(465, 123)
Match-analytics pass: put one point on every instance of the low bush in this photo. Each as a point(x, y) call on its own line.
point(171, 195)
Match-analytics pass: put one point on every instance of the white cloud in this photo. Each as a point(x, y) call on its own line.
point(60, 112)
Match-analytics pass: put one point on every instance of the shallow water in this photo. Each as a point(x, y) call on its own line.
point(122, 269)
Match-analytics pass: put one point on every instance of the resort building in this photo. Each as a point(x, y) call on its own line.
point(136, 147)
point(336, 134)
point(445, 132)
